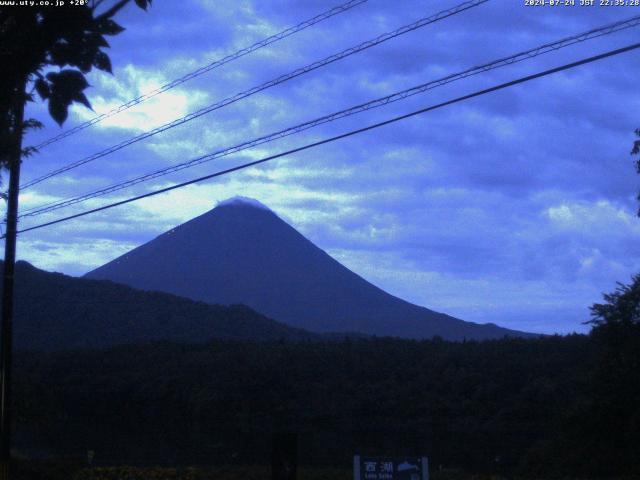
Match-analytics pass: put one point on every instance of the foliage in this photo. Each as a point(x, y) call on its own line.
point(552, 406)
point(635, 151)
point(238, 473)
point(611, 419)
point(219, 473)
point(463, 404)
point(51, 471)
point(50, 49)
point(622, 307)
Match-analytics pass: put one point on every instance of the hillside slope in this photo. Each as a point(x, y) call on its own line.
point(55, 311)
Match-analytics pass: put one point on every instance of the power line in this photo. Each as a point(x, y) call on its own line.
point(634, 21)
point(207, 68)
point(546, 48)
point(344, 135)
point(277, 81)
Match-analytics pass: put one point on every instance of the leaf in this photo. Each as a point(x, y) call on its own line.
point(70, 81)
point(85, 61)
point(32, 124)
point(143, 4)
point(102, 62)
point(58, 110)
point(98, 40)
point(61, 54)
point(82, 98)
point(29, 151)
point(42, 87)
point(107, 26)
point(66, 87)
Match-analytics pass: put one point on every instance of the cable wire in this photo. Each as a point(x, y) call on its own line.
point(546, 48)
point(344, 135)
point(277, 81)
point(207, 68)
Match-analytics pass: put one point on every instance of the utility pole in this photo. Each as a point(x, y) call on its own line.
point(14, 157)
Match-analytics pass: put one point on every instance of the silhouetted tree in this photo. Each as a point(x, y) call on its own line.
point(622, 307)
point(635, 151)
point(34, 41)
point(612, 424)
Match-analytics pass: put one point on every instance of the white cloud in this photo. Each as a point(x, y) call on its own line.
point(73, 258)
point(132, 82)
point(591, 219)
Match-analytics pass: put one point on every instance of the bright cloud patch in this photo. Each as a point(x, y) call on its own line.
point(131, 82)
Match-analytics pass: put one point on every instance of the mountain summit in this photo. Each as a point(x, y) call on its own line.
point(242, 252)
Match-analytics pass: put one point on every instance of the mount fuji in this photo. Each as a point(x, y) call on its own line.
point(241, 252)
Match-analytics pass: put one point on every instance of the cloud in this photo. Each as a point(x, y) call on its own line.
point(131, 83)
point(516, 207)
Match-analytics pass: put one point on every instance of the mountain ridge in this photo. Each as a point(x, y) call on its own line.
point(54, 311)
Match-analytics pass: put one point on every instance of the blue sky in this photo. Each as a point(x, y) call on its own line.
point(516, 208)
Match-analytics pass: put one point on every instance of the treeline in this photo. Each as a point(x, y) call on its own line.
point(549, 406)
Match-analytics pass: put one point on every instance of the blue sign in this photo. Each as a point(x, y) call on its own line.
point(383, 468)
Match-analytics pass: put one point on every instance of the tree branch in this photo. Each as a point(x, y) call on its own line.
point(113, 10)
